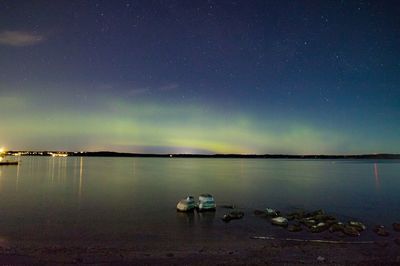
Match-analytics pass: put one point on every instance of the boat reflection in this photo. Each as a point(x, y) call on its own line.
point(192, 218)
point(207, 217)
point(186, 218)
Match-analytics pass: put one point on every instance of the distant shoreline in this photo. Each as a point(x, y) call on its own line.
point(233, 156)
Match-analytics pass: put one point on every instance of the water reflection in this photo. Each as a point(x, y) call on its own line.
point(58, 178)
point(377, 178)
point(57, 170)
point(17, 178)
point(99, 194)
point(185, 218)
point(194, 218)
point(207, 218)
point(8, 183)
point(51, 169)
point(80, 178)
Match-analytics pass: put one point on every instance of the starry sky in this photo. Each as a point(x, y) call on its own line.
point(297, 77)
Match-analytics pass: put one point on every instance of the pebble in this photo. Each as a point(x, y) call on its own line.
point(337, 227)
point(280, 221)
point(380, 230)
point(350, 231)
point(358, 225)
point(320, 227)
point(232, 215)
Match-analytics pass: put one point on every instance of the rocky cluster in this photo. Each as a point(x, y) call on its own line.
point(318, 221)
point(315, 222)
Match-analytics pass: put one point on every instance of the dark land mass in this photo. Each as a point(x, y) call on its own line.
point(241, 156)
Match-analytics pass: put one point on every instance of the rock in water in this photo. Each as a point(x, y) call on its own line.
point(320, 227)
point(358, 225)
point(350, 231)
point(232, 215)
point(271, 212)
point(280, 221)
point(294, 228)
point(337, 227)
point(226, 218)
point(328, 219)
point(380, 230)
point(298, 215)
point(309, 222)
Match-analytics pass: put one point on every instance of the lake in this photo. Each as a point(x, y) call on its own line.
point(75, 199)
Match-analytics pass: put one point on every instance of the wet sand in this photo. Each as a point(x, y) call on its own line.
point(235, 248)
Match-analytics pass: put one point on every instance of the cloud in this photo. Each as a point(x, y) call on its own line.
point(146, 90)
point(138, 91)
point(20, 38)
point(168, 87)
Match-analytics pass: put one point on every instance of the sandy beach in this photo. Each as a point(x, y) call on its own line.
point(229, 249)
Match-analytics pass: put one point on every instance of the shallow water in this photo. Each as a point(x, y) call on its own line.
point(49, 199)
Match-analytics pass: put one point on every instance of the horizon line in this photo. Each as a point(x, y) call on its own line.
point(198, 154)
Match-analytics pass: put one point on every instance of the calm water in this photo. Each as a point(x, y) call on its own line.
point(97, 199)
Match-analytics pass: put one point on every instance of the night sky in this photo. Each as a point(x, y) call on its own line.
point(298, 77)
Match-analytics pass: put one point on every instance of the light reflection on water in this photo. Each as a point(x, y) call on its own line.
point(80, 197)
point(377, 179)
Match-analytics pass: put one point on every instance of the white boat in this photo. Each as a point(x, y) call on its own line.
point(186, 205)
point(206, 202)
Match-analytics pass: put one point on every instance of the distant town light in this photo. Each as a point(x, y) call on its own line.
point(58, 154)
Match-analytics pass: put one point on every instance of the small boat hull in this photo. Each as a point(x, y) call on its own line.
point(206, 203)
point(186, 205)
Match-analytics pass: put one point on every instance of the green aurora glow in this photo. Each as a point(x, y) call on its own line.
point(154, 127)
